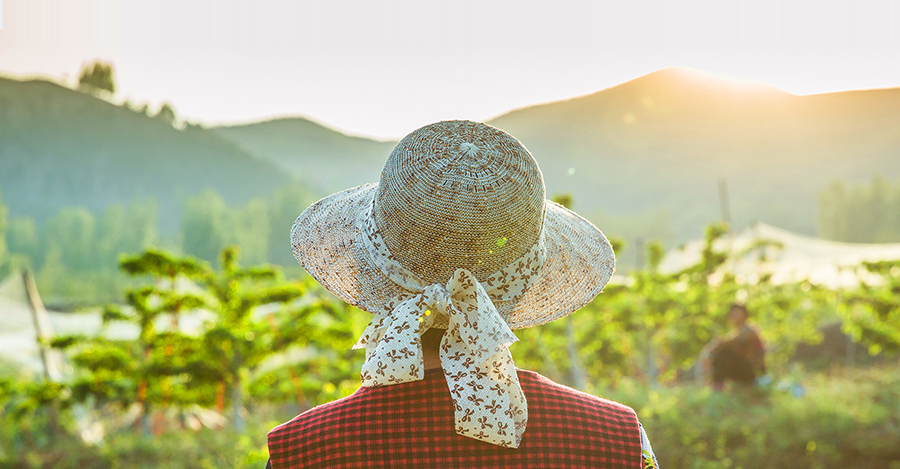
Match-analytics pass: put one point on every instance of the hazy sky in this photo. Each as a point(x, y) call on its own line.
point(384, 68)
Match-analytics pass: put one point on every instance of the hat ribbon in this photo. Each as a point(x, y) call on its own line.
point(489, 404)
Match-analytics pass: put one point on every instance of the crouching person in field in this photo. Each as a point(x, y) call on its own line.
point(454, 248)
point(739, 356)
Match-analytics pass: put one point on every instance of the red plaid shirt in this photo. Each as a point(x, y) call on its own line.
point(411, 425)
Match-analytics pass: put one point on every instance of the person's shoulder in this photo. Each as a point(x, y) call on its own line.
point(750, 331)
point(555, 409)
point(543, 391)
point(319, 415)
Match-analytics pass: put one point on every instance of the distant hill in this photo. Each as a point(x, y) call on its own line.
point(653, 147)
point(661, 141)
point(326, 158)
point(637, 157)
point(60, 147)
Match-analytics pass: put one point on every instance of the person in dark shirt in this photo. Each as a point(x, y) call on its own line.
point(739, 356)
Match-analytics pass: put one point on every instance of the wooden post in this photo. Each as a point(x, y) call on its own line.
point(52, 371)
point(52, 368)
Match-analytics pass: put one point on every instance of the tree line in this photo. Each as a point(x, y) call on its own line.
point(75, 252)
point(861, 212)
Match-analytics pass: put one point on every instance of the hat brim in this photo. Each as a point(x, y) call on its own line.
point(579, 261)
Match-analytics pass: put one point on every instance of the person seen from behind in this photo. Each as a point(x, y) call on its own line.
point(454, 248)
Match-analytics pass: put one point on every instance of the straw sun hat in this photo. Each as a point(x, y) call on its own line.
point(456, 235)
point(455, 194)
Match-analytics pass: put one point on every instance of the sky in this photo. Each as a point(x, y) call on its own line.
point(384, 68)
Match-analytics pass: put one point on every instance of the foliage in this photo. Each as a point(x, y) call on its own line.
point(284, 207)
point(655, 326)
point(844, 420)
point(238, 341)
point(202, 223)
point(27, 444)
point(638, 228)
point(75, 254)
point(166, 366)
point(872, 313)
point(864, 213)
point(75, 251)
point(22, 239)
point(268, 340)
point(209, 225)
point(97, 76)
point(259, 227)
point(564, 199)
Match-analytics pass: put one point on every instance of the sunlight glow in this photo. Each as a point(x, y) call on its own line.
point(384, 69)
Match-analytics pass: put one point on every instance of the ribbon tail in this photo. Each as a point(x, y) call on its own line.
point(504, 370)
point(489, 404)
point(393, 347)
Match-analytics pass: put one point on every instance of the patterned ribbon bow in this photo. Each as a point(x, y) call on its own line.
point(488, 401)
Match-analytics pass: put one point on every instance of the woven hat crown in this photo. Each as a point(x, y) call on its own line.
point(459, 194)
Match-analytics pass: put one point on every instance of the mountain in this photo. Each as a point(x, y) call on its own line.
point(60, 147)
point(326, 158)
point(643, 158)
point(659, 144)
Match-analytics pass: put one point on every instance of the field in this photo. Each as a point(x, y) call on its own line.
point(274, 346)
point(846, 418)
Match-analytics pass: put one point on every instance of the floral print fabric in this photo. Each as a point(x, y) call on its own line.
point(480, 374)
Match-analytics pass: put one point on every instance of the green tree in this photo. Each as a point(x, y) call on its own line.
point(123, 230)
point(23, 245)
point(239, 341)
point(161, 358)
point(110, 232)
point(209, 224)
point(284, 207)
point(203, 225)
point(167, 114)
point(158, 368)
point(249, 228)
point(141, 226)
point(22, 239)
point(868, 211)
point(863, 213)
point(833, 211)
point(97, 76)
point(73, 232)
point(165, 366)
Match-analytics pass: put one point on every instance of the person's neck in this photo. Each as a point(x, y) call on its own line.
point(431, 348)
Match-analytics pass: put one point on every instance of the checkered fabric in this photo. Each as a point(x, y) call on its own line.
point(411, 425)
